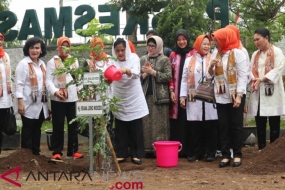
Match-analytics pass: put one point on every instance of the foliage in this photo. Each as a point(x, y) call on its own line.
point(4, 5)
point(79, 53)
point(14, 43)
point(256, 14)
point(138, 8)
point(186, 14)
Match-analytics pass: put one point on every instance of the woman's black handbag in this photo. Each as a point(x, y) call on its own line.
point(205, 91)
point(10, 125)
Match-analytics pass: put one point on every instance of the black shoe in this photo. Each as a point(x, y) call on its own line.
point(237, 164)
point(192, 158)
point(121, 160)
point(139, 162)
point(224, 164)
point(210, 159)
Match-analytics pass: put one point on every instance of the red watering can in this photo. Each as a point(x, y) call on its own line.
point(112, 73)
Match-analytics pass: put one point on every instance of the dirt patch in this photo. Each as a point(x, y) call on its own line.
point(29, 162)
point(270, 160)
point(258, 171)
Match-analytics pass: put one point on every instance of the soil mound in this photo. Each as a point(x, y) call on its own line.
point(29, 162)
point(270, 160)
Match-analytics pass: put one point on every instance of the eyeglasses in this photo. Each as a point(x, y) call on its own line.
point(151, 46)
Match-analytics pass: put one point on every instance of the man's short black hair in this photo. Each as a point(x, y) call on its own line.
point(153, 32)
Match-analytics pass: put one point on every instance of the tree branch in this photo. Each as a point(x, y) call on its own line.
point(275, 11)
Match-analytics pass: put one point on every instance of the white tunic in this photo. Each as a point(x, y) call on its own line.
point(102, 66)
point(129, 89)
point(269, 105)
point(24, 90)
point(194, 109)
point(52, 84)
point(5, 100)
point(242, 75)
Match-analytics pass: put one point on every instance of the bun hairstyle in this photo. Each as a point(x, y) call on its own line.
point(263, 32)
point(120, 41)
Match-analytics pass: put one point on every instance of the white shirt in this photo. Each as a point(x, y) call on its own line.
point(52, 84)
point(102, 66)
point(6, 99)
point(248, 64)
point(269, 105)
point(194, 109)
point(129, 89)
point(242, 75)
point(24, 90)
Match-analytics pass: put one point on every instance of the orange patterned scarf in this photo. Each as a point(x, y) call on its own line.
point(61, 80)
point(8, 76)
point(34, 83)
point(269, 65)
point(231, 75)
point(191, 75)
point(2, 52)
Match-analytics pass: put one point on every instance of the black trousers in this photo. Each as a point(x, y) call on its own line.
point(274, 123)
point(31, 133)
point(129, 134)
point(231, 128)
point(203, 136)
point(3, 113)
point(60, 110)
point(178, 129)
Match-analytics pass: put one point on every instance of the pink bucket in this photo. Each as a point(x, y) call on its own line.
point(112, 73)
point(167, 153)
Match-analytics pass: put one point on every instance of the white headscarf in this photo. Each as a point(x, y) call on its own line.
point(159, 45)
point(127, 52)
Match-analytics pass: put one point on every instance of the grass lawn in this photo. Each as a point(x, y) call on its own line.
point(282, 123)
point(48, 125)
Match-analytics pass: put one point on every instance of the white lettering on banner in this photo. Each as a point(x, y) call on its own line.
point(89, 108)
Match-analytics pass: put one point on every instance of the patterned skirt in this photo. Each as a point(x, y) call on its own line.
point(155, 124)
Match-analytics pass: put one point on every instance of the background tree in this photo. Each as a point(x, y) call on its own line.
point(4, 5)
point(259, 13)
point(187, 14)
point(138, 8)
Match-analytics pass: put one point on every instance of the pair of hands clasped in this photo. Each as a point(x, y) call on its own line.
point(255, 82)
point(147, 68)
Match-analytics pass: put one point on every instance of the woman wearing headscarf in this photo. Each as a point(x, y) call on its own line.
point(177, 114)
point(132, 107)
point(156, 74)
point(5, 86)
point(98, 61)
point(228, 66)
point(267, 100)
point(202, 117)
point(63, 103)
point(241, 47)
point(31, 95)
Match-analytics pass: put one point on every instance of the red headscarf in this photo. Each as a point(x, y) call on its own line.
point(198, 43)
point(236, 30)
point(2, 52)
point(226, 38)
point(94, 42)
point(132, 47)
point(60, 41)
